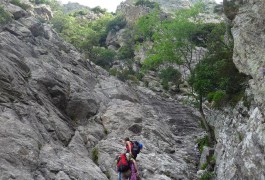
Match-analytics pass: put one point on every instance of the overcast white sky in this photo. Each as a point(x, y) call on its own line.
point(110, 5)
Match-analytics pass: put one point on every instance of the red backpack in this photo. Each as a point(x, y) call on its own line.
point(123, 163)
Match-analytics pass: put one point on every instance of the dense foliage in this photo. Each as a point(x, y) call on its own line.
point(173, 38)
point(89, 36)
point(216, 76)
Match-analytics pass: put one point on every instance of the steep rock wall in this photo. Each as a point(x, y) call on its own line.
point(240, 130)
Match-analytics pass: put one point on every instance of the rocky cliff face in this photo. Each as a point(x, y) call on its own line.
point(58, 111)
point(170, 6)
point(240, 131)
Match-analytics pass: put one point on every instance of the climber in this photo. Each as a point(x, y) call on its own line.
point(132, 147)
point(126, 167)
point(128, 145)
point(123, 166)
point(134, 170)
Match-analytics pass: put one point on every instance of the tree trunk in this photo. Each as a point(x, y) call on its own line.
point(208, 127)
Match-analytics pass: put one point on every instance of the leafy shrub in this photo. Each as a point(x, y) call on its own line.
point(98, 9)
point(204, 166)
point(60, 22)
point(126, 52)
point(103, 57)
point(20, 4)
point(169, 74)
point(95, 155)
point(207, 175)
point(116, 24)
point(210, 96)
point(202, 142)
point(218, 98)
point(5, 17)
point(81, 12)
point(125, 74)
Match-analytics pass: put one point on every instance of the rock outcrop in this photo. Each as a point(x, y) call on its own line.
point(240, 130)
point(170, 6)
point(62, 117)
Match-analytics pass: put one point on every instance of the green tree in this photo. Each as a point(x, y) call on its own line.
point(173, 40)
point(216, 75)
point(147, 25)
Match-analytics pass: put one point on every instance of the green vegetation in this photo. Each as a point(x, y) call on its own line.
point(126, 52)
point(172, 38)
point(84, 34)
point(146, 3)
point(169, 74)
point(216, 77)
point(116, 23)
point(230, 9)
point(203, 142)
point(103, 57)
point(168, 174)
point(204, 166)
point(41, 1)
point(126, 74)
point(98, 10)
point(20, 4)
point(207, 175)
point(81, 12)
point(146, 26)
point(49, 2)
point(5, 17)
point(95, 155)
point(106, 132)
point(218, 97)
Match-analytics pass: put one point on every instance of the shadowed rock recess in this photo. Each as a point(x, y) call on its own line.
point(58, 111)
